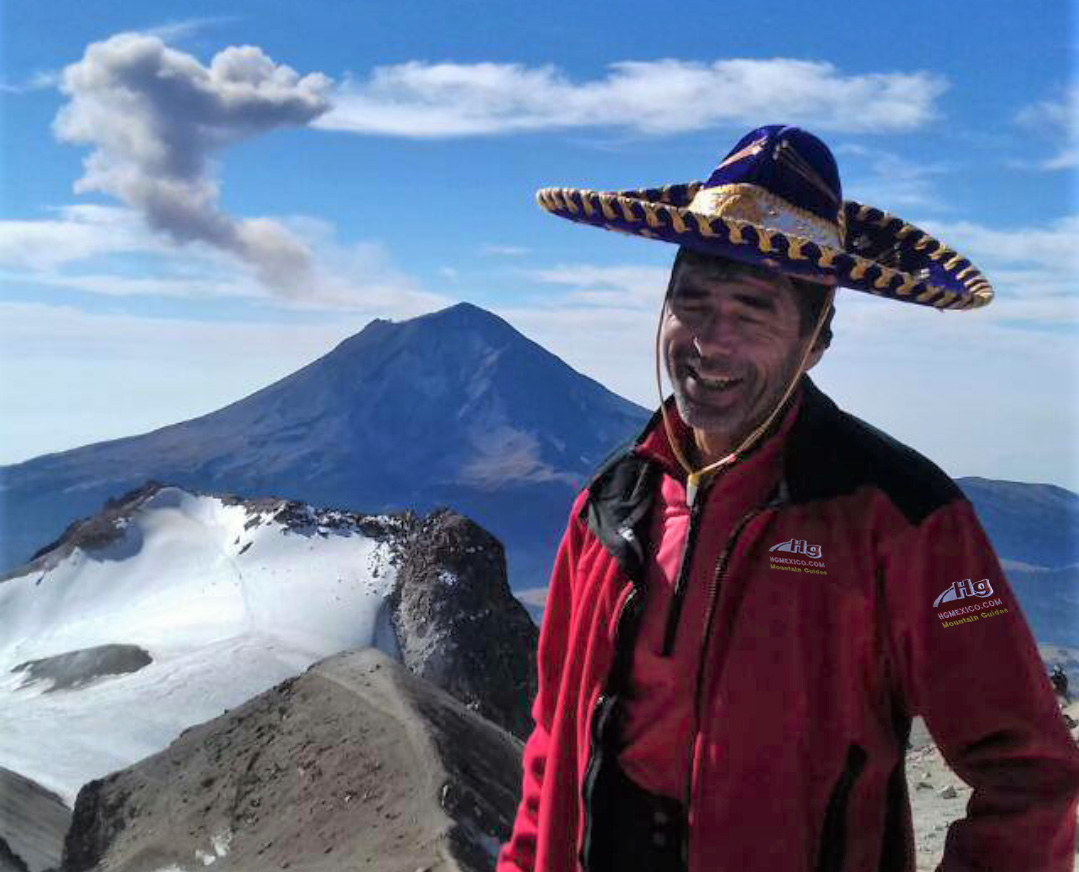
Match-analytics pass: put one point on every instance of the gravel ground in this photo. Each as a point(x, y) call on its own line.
point(937, 795)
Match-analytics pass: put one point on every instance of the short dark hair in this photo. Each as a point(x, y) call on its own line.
point(810, 296)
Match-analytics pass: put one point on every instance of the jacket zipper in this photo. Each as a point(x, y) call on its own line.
point(697, 500)
point(713, 591)
point(600, 716)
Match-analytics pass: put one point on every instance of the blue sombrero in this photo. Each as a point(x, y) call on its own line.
point(776, 200)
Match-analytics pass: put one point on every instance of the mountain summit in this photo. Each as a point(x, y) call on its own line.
point(454, 408)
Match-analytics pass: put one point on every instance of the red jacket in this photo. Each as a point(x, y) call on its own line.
point(864, 592)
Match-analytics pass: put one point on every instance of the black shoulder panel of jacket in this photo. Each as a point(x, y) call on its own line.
point(831, 453)
point(619, 499)
point(612, 482)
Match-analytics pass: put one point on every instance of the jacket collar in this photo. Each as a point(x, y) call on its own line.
point(621, 493)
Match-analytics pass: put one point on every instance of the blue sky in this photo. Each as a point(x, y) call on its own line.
point(193, 207)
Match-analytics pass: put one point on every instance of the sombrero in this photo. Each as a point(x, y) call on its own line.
point(776, 200)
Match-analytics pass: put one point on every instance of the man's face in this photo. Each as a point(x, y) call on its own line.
point(732, 342)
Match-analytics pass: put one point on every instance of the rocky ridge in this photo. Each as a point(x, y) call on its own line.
point(356, 764)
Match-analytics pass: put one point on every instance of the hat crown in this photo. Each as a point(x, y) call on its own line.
point(787, 162)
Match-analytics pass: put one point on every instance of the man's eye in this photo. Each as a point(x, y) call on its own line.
point(689, 310)
point(757, 304)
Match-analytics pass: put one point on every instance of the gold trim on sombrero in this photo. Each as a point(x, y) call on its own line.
point(755, 205)
point(979, 290)
point(665, 213)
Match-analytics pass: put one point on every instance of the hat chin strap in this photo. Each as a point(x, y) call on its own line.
point(694, 477)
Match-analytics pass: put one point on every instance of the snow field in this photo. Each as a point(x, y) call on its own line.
point(227, 608)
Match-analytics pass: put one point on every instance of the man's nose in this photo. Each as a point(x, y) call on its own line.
point(718, 335)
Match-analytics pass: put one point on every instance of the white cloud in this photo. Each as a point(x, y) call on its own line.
point(1056, 121)
point(641, 287)
point(75, 233)
point(154, 117)
point(423, 100)
point(42, 80)
point(505, 250)
point(122, 285)
point(174, 31)
point(86, 248)
point(361, 277)
point(1053, 246)
point(884, 179)
point(1032, 270)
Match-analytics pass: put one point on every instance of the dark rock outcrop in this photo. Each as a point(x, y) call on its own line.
point(9, 860)
point(354, 764)
point(457, 624)
point(33, 822)
point(74, 669)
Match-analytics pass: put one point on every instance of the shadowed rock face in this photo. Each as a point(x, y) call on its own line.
point(77, 668)
point(33, 822)
point(9, 860)
point(355, 764)
point(457, 624)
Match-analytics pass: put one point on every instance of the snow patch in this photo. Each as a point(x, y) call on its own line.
point(222, 842)
point(227, 608)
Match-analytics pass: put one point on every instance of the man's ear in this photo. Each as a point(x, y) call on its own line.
point(823, 341)
point(815, 355)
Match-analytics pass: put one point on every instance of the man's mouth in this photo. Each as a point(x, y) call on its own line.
point(713, 382)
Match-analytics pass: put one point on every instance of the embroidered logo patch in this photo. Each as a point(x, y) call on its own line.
point(973, 612)
point(809, 560)
point(798, 546)
point(961, 589)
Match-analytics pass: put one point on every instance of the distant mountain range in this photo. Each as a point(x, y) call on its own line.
point(1033, 524)
point(455, 408)
point(1035, 530)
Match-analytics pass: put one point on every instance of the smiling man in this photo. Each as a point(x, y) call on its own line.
point(734, 339)
point(751, 603)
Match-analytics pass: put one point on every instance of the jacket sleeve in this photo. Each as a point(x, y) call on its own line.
point(519, 853)
point(966, 661)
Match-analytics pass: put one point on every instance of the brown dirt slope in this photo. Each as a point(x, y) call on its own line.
point(354, 765)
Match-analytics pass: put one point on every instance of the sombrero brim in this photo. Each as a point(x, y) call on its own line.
point(887, 257)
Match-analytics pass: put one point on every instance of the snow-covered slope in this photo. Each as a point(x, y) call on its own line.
point(193, 604)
